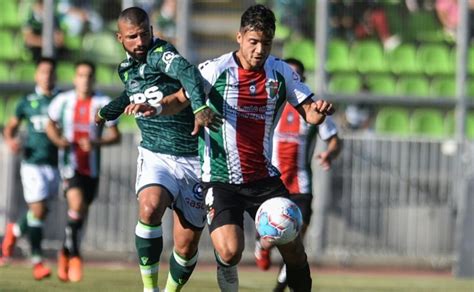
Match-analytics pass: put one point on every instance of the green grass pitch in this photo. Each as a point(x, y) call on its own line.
point(17, 277)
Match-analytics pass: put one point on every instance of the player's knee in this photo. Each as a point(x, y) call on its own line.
point(150, 214)
point(230, 257)
point(186, 251)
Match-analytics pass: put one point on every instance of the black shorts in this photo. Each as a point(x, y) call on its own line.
point(303, 201)
point(88, 185)
point(226, 203)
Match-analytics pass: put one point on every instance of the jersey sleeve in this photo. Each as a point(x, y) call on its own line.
point(54, 109)
point(327, 129)
point(296, 90)
point(104, 101)
point(209, 74)
point(20, 109)
point(113, 109)
point(168, 60)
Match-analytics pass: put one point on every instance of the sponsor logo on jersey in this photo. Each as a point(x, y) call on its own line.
point(151, 96)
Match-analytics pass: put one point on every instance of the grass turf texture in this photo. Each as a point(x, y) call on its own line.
point(18, 277)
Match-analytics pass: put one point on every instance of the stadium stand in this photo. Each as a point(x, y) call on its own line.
point(402, 60)
point(470, 60)
point(383, 84)
point(427, 122)
point(413, 86)
point(443, 87)
point(338, 58)
point(435, 59)
point(301, 49)
point(24, 72)
point(393, 120)
point(4, 72)
point(368, 56)
point(345, 83)
point(9, 50)
point(9, 14)
point(65, 72)
point(102, 48)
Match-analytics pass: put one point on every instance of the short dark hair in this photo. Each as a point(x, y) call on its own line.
point(49, 60)
point(297, 63)
point(134, 15)
point(258, 18)
point(87, 63)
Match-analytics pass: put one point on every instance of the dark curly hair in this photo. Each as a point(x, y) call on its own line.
point(258, 18)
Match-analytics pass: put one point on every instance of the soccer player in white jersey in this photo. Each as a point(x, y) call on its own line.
point(72, 128)
point(38, 171)
point(293, 142)
point(248, 88)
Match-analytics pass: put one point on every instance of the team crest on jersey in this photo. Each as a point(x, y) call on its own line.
point(272, 87)
point(168, 58)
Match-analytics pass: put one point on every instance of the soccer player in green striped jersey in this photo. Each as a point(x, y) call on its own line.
point(168, 172)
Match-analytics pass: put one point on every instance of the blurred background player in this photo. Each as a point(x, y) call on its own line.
point(168, 163)
point(293, 145)
point(72, 128)
point(38, 171)
point(248, 87)
point(33, 30)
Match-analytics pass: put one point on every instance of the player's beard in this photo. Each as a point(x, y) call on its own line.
point(136, 56)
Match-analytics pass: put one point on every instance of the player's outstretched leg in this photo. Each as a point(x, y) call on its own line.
point(35, 236)
point(227, 275)
point(298, 273)
point(70, 248)
point(281, 280)
point(184, 257)
point(149, 245)
point(180, 271)
point(262, 256)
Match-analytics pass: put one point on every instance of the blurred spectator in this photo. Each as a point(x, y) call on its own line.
point(416, 5)
point(362, 19)
point(32, 31)
point(448, 15)
point(79, 17)
point(357, 117)
point(164, 19)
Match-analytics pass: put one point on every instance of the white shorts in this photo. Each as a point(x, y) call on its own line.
point(180, 176)
point(39, 181)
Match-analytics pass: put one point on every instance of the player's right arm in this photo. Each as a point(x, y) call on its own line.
point(10, 134)
point(113, 109)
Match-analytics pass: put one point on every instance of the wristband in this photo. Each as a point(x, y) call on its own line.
point(100, 116)
point(200, 109)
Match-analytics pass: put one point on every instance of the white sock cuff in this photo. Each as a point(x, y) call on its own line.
point(185, 262)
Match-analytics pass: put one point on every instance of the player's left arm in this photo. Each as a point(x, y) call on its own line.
point(334, 146)
point(314, 112)
point(111, 136)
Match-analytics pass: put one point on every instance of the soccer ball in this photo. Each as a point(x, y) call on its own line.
point(278, 220)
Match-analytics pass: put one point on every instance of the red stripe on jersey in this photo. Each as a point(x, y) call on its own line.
point(250, 126)
point(289, 121)
point(288, 166)
point(81, 130)
point(287, 154)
